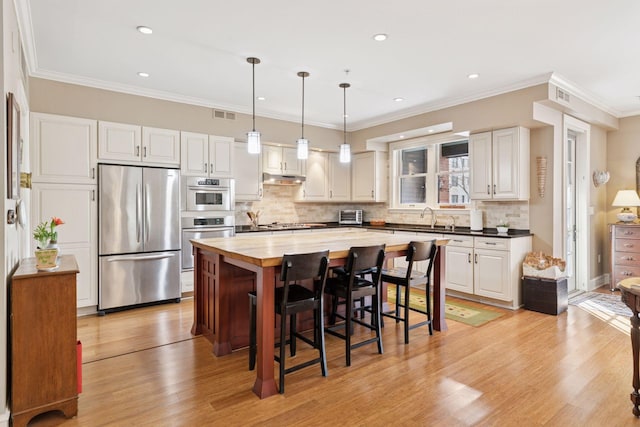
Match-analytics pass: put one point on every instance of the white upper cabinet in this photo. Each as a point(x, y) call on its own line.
point(316, 186)
point(120, 142)
point(161, 146)
point(369, 177)
point(499, 164)
point(280, 160)
point(206, 155)
point(248, 173)
point(63, 149)
point(339, 179)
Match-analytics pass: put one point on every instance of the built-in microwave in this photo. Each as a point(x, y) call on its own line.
point(208, 194)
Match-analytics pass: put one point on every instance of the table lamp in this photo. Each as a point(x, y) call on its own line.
point(625, 199)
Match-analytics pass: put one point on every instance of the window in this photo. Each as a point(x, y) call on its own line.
point(427, 173)
point(453, 177)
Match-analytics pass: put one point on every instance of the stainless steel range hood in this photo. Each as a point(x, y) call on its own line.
point(269, 178)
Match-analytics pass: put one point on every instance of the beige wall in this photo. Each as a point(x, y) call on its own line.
point(47, 96)
point(541, 208)
point(598, 235)
point(622, 151)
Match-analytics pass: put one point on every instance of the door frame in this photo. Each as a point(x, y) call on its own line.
point(582, 161)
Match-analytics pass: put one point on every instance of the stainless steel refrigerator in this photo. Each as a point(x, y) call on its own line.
point(139, 235)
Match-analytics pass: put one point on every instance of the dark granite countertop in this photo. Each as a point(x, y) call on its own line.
point(462, 231)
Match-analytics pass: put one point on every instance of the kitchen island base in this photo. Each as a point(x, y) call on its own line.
point(221, 286)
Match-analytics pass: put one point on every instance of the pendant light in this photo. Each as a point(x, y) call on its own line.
point(303, 143)
point(253, 137)
point(345, 149)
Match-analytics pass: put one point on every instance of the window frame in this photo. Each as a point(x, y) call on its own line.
point(433, 173)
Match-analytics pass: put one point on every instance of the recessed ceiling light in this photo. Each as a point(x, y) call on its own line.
point(430, 130)
point(473, 76)
point(398, 99)
point(380, 37)
point(144, 30)
point(143, 74)
point(401, 136)
point(261, 98)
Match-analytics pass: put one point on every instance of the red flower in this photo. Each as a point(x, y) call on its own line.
point(56, 221)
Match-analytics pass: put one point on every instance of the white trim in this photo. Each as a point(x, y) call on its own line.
point(598, 282)
point(586, 96)
point(25, 26)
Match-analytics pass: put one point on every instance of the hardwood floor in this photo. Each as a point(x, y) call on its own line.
point(142, 367)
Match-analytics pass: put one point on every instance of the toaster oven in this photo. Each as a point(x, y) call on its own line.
point(350, 216)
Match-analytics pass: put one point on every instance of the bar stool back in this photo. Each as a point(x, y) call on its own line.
point(351, 287)
point(411, 277)
point(291, 299)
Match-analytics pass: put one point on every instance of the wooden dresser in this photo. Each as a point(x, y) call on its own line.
point(42, 328)
point(625, 251)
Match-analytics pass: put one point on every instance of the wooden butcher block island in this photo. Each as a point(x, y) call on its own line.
point(227, 268)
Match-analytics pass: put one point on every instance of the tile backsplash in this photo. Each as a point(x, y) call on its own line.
point(278, 205)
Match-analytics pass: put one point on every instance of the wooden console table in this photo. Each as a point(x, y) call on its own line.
point(43, 359)
point(630, 293)
point(220, 273)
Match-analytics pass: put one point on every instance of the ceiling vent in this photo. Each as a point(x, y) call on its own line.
point(561, 95)
point(220, 114)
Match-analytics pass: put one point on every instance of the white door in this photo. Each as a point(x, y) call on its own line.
point(575, 203)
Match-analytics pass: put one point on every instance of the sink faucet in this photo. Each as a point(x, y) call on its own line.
point(452, 223)
point(433, 217)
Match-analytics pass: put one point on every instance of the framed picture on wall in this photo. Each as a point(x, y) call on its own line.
point(13, 147)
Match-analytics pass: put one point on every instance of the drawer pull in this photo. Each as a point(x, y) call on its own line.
point(490, 243)
point(628, 233)
point(628, 258)
point(456, 240)
point(628, 245)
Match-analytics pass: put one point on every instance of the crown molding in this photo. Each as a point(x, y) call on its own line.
point(23, 11)
point(586, 96)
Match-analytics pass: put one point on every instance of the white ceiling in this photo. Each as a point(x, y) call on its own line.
point(197, 52)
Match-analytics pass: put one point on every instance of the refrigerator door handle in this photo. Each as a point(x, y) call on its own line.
point(147, 213)
point(140, 257)
point(138, 203)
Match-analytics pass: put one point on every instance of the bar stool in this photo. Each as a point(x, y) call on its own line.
point(291, 299)
point(408, 277)
point(351, 287)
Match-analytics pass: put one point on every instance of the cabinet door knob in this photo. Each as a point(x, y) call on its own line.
point(93, 173)
point(145, 152)
point(488, 189)
point(205, 167)
point(475, 257)
point(469, 258)
point(137, 150)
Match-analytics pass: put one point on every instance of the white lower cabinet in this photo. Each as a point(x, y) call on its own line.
point(76, 205)
point(459, 264)
point(486, 269)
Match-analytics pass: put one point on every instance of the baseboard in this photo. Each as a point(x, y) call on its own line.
point(598, 282)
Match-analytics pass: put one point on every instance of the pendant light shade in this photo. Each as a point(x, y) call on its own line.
point(303, 143)
point(253, 137)
point(345, 149)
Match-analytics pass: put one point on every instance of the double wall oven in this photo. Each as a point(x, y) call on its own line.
point(209, 204)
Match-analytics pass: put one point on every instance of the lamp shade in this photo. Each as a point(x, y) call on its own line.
point(253, 142)
point(625, 198)
point(303, 148)
point(345, 153)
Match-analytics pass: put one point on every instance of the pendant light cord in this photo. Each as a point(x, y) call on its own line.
point(253, 72)
point(302, 106)
point(344, 115)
